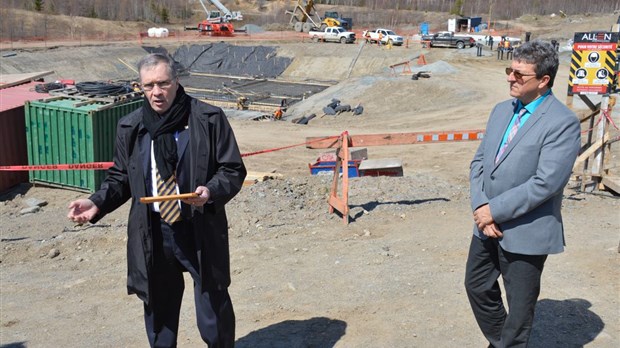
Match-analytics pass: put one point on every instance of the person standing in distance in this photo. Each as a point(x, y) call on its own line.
point(173, 144)
point(517, 177)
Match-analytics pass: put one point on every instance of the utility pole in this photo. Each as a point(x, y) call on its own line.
point(491, 4)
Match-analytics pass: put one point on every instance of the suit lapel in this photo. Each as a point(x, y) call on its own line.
point(144, 142)
point(183, 140)
point(507, 114)
point(526, 127)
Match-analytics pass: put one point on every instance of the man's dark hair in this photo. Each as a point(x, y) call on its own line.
point(543, 55)
point(155, 59)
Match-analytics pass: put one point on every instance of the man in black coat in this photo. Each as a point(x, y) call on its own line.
point(178, 143)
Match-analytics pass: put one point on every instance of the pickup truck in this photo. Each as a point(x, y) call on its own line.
point(448, 39)
point(387, 36)
point(334, 34)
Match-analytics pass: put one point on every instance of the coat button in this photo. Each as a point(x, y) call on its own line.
point(492, 177)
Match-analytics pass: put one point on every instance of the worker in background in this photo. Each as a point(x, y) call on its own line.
point(242, 103)
point(277, 115)
point(491, 42)
point(379, 41)
point(508, 49)
point(500, 48)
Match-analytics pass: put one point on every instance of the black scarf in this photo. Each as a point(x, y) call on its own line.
point(162, 128)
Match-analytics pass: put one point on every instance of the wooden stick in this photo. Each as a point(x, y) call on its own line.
point(168, 198)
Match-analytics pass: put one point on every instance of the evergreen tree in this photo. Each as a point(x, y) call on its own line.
point(38, 5)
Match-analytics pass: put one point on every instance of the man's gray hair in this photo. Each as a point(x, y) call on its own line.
point(543, 55)
point(155, 59)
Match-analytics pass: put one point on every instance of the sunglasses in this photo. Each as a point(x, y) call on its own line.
point(161, 84)
point(518, 75)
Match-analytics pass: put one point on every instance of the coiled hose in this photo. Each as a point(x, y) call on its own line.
point(102, 89)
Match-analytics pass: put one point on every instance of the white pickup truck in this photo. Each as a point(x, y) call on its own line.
point(386, 36)
point(334, 34)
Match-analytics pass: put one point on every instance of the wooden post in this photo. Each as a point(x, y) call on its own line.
point(342, 160)
point(600, 132)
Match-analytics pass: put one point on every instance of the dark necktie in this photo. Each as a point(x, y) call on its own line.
point(169, 210)
point(511, 134)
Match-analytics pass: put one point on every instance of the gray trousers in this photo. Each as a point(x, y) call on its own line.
point(521, 275)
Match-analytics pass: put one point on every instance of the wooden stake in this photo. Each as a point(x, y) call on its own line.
point(147, 200)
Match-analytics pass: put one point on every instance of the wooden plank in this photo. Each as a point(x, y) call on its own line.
point(612, 183)
point(262, 176)
point(10, 80)
point(589, 103)
point(255, 177)
point(396, 138)
point(587, 153)
point(587, 117)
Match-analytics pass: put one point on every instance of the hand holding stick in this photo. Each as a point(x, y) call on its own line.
point(147, 200)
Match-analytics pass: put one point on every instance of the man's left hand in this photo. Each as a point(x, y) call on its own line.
point(203, 197)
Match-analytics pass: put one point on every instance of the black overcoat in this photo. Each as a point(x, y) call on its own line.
point(214, 162)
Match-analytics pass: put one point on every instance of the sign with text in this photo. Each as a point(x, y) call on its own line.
point(593, 63)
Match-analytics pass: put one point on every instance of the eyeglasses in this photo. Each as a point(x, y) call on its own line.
point(518, 75)
point(161, 84)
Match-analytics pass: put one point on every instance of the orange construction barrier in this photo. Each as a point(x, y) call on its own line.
point(406, 68)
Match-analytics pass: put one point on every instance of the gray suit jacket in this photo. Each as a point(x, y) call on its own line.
point(524, 189)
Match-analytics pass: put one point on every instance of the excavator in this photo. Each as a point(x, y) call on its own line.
point(333, 19)
point(305, 17)
point(217, 23)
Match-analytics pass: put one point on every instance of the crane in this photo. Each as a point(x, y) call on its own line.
point(217, 23)
point(217, 17)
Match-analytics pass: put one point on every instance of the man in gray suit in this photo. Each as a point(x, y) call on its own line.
point(516, 181)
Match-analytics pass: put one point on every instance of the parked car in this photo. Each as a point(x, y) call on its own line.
point(449, 39)
point(334, 34)
point(385, 35)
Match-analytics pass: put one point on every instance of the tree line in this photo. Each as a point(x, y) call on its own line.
point(164, 11)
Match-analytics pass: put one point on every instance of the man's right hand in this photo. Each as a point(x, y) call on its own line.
point(492, 231)
point(82, 210)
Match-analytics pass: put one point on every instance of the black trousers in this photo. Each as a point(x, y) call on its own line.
point(174, 253)
point(521, 275)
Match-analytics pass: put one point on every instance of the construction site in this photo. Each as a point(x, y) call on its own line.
point(383, 264)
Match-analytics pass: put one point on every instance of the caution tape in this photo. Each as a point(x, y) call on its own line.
point(73, 166)
point(288, 147)
point(604, 115)
point(107, 165)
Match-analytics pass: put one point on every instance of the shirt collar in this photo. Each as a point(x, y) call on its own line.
point(531, 107)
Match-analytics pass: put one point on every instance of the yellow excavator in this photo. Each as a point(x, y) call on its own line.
point(333, 19)
point(304, 18)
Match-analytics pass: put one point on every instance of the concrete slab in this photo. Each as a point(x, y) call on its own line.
point(381, 167)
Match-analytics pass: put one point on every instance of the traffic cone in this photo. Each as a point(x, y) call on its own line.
point(421, 60)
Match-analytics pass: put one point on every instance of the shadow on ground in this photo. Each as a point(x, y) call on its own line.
point(370, 206)
point(565, 324)
point(17, 190)
point(14, 345)
point(316, 332)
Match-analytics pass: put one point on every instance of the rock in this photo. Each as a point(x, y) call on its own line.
point(35, 202)
point(29, 210)
point(53, 253)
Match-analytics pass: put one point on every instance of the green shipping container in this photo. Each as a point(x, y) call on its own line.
point(63, 130)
